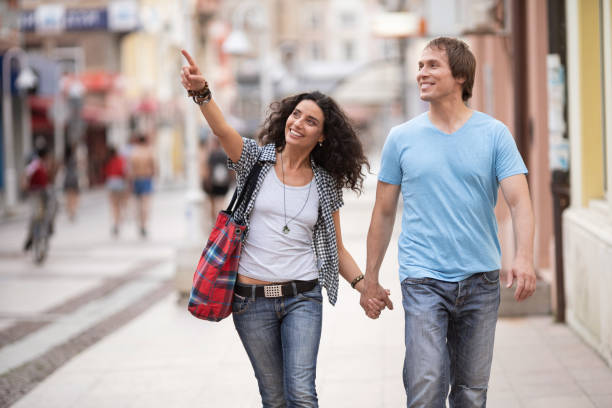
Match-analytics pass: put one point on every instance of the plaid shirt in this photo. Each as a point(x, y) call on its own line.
point(330, 200)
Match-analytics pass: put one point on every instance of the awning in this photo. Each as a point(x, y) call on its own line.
point(95, 81)
point(42, 118)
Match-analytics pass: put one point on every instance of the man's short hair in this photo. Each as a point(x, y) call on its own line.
point(460, 59)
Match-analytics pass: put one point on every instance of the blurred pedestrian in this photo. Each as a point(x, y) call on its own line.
point(37, 181)
point(142, 170)
point(71, 180)
point(293, 244)
point(215, 176)
point(115, 172)
point(448, 164)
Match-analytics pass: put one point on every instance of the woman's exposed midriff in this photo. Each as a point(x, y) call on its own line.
point(251, 281)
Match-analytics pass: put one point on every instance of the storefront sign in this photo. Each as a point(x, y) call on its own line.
point(50, 18)
point(119, 16)
point(123, 16)
point(26, 20)
point(86, 19)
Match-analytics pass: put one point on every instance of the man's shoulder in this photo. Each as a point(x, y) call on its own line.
point(483, 119)
point(413, 125)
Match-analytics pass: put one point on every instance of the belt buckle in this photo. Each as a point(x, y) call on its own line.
point(273, 291)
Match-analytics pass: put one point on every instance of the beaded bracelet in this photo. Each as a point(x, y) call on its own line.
point(356, 280)
point(201, 97)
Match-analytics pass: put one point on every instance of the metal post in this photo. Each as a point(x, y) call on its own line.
point(26, 125)
point(264, 57)
point(559, 186)
point(59, 121)
point(239, 23)
point(194, 194)
point(403, 45)
point(10, 177)
point(191, 247)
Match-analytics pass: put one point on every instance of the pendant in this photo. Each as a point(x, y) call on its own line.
point(286, 229)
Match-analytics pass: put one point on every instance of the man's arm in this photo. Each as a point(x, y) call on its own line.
point(379, 235)
point(516, 194)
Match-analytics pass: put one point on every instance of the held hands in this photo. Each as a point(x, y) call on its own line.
point(374, 298)
point(191, 77)
point(522, 270)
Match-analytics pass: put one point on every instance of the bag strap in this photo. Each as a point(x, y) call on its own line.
point(247, 189)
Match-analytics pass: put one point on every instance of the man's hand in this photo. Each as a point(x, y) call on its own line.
point(191, 77)
point(374, 299)
point(522, 270)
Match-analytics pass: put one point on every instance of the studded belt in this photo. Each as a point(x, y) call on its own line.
point(285, 289)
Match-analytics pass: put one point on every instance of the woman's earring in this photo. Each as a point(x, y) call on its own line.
point(320, 144)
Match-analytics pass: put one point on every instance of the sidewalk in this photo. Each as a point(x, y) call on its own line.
point(166, 358)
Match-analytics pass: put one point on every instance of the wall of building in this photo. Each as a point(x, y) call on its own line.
point(587, 224)
point(538, 165)
point(493, 95)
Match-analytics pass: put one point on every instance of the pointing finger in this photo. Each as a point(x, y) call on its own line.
point(188, 58)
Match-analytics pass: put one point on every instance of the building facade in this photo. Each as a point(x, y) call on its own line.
point(587, 224)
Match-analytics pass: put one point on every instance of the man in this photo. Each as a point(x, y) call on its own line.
point(448, 164)
point(142, 169)
point(214, 174)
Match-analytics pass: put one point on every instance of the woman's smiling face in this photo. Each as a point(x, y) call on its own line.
point(304, 126)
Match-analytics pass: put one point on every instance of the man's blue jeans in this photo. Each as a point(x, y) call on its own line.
point(450, 329)
point(281, 337)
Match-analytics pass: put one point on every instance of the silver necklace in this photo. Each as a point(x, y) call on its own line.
point(286, 226)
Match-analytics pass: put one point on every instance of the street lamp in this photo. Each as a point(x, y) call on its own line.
point(399, 25)
point(25, 80)
point(238, 44)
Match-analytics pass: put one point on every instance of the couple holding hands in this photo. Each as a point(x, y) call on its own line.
point(448, 164)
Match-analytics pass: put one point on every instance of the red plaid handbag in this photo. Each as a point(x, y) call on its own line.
point(214, 278)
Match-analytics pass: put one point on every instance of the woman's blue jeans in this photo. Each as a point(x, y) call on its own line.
point(281, 337)
point(450, 329)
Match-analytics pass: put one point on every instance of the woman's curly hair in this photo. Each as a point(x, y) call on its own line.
point(341, 154)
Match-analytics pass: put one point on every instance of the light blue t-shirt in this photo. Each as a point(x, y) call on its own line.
point(449, 187)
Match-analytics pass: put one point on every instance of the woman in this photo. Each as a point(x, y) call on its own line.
point(293, 245)
point(115, 173)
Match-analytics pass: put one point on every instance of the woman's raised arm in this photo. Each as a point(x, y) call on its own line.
point(193, 80)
